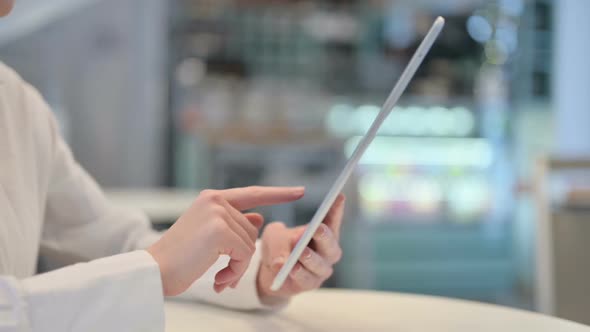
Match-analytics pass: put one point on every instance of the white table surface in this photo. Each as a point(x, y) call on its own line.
point(346, 310)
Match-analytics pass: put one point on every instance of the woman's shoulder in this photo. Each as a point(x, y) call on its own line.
point(25, 115)
point(8, 75)
point(20, 103)
point(11, 93)
point(19, 93)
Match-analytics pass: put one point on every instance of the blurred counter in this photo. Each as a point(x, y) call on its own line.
point(162, 205)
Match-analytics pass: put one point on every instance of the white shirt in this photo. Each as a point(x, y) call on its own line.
point(47, 199)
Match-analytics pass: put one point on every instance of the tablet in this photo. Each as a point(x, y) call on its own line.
point(390, 102)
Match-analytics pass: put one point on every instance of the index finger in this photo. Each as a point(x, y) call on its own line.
point(251, 197)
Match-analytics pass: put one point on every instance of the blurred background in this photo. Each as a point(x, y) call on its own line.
point(476, 187)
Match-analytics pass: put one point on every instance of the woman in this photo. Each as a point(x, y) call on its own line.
point(47, 199)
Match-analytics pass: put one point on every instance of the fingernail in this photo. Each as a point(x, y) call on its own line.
point(299, 190)
point(306, 253)
point(321, 232)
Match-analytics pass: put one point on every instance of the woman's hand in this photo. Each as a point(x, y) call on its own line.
point(212, 226)
point(315, 264)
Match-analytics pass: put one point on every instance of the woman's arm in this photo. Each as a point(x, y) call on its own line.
point(118, 293)
point(81, 221)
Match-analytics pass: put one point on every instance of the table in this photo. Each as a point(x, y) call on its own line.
point(347, 310)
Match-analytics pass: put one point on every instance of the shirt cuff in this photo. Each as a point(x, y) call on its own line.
point(243, 297)
point(116, 293)
point(13, 308)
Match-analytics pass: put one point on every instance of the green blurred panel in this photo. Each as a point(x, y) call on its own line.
point(438, 245)
point(472, 262)
point(444, 275)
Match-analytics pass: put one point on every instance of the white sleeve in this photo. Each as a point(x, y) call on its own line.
point(78, 218)
point(117, 293)
point(243, 297)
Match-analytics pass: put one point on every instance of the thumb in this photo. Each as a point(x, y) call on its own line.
point(297, 232)
point(229, 275)
point(276, 245)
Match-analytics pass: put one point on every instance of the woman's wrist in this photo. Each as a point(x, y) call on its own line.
point(161, 267)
